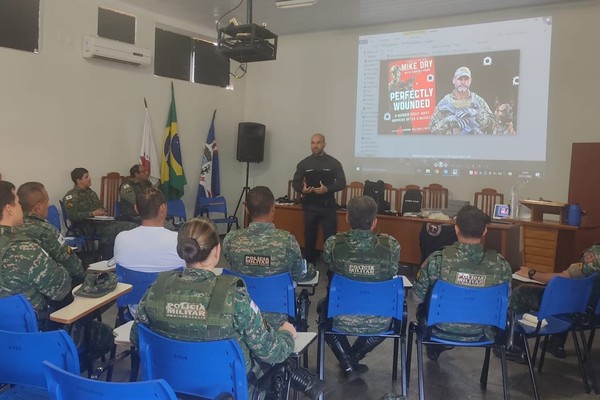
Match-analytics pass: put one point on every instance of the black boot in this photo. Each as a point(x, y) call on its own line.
point(307, 383)
point(362, 346)
point(341, 349)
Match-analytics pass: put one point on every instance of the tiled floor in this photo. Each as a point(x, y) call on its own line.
point(454, 376)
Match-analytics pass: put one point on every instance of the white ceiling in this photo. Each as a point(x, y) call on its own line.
point(327, 14)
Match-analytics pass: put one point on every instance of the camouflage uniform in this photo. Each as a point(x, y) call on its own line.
point(447, 113)
point(263, 250)
point(26, 268)
point(527, 298)
point(127, 194)
point(465, 265)
point(239, 318)
point(53, 243)
point(80, 203)
point(365, 256)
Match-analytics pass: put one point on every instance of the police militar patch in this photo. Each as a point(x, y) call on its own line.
point(254, 260)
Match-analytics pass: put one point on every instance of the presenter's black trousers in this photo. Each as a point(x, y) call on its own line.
point(313, 215)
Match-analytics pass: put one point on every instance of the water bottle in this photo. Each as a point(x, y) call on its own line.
point(574, 215)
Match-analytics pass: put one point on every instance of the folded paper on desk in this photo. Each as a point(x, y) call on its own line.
point(532, 320)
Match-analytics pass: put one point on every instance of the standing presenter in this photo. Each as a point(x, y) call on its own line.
point(318, 177)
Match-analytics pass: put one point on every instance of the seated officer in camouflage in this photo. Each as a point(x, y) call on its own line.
point(527, 298)
point(24, 266)
point(137, 183)
point(263, 250)
point(82, 202)
point(465, 263)
point(197, 305)
point(34, 201)
point(362, 255)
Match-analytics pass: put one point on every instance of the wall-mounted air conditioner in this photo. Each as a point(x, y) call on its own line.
point(113, 50)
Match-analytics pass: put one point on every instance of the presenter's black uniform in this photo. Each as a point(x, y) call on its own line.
point(319, 208)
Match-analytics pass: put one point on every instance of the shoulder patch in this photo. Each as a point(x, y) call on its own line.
point(254, 307)
point(61, 239)
point(126, 186)
point(68, 197)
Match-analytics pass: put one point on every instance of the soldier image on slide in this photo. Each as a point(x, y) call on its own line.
point(462, 112)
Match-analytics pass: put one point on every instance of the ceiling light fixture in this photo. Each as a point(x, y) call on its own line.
point(294, 3)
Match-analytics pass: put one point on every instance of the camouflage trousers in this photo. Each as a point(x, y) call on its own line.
point(526, 298)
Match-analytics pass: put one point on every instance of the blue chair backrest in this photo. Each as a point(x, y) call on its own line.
point(117, 209)
point(208, 205)
point(566, 296)
point(63, 385)
point(141, 281)
point(176, 208)
point(63, 210)
point(17, 314)
point(54, 217)
point(350, 297)
point(273, 293)
point(195, 368)
point(450, 303)
point(21, 356)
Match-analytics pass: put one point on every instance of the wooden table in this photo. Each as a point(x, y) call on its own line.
point(83, 306)
point(504, 238)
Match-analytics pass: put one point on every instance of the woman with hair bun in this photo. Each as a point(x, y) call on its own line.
point(178, 305)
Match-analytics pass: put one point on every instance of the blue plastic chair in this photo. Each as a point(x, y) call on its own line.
point(564, 303)
point(21, 356)
point(117, 209)
point(79, 238)
point(140, 281)
point(382, 299)
point(207, 369)
point(205, 206)
point(54, 217)
point(450, 303)
point(274, 294)
point(63, 385)
point(17, 314)
point(176, 211)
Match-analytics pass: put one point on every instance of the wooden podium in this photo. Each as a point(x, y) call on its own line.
point(547, 246)
point(540, 207)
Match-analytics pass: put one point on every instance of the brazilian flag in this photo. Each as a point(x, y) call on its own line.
point(172, 177)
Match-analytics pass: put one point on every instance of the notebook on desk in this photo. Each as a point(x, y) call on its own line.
point(501, 211)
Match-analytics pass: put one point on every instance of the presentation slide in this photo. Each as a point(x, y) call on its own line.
point(467, 100)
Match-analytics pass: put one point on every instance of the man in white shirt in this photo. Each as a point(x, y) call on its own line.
point(149, 247)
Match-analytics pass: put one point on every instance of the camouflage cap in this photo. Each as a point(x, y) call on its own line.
point(462, 71)
point(97, 285)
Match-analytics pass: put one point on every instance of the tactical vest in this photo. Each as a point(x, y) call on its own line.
point(5, 243)
point(192, 310)
point(370, 266)
point(464, 272)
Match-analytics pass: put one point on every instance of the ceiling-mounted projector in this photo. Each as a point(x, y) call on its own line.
point(294, 3)
point(247, 43)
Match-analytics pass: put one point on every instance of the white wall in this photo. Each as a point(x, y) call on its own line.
point(311, 88)
point(60, 111)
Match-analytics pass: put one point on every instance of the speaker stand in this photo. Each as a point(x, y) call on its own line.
point(244, 190)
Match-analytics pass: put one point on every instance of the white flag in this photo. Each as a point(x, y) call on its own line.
point(148, 154)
